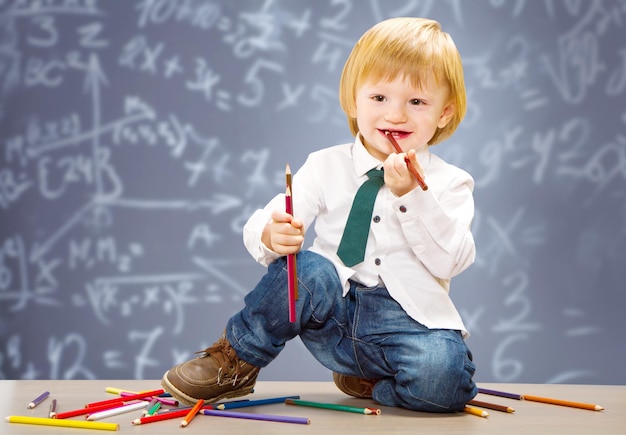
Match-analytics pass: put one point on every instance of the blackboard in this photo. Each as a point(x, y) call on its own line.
point(138, 136)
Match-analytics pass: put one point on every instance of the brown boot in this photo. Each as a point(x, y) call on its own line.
point(216, 375)
point(354, 386)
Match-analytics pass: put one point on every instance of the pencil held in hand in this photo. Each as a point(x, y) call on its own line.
point(409, 165)
point(291, 258)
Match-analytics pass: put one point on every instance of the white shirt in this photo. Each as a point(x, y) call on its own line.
point(421, 241)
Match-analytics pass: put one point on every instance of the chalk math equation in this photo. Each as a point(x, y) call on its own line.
point(136, 138)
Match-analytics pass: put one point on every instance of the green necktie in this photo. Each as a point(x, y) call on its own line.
point(352, 246)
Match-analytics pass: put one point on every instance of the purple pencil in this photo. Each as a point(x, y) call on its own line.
point(264, 417)
point(500, 393)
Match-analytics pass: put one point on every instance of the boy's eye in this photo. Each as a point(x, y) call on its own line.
point(378, 98)
point(416, 102)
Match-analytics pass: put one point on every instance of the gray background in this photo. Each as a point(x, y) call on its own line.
point(137, 137)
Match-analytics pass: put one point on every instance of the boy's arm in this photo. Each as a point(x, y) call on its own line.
point(438, 226)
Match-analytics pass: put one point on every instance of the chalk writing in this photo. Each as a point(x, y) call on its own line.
point(136, 138)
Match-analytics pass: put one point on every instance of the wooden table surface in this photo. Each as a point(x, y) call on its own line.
point(529, 417)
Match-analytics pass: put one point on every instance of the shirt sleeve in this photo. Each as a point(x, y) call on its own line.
point(437, 224)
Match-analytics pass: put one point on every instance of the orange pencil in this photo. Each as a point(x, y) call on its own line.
point(588, 406)
point(291, 258)
point(192, 413)
point(409, 165)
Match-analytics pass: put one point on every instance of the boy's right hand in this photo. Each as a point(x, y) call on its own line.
point(284, 234)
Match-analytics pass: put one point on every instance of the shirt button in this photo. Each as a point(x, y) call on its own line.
point(402, 209)
point(376, 219)
point(377, 262)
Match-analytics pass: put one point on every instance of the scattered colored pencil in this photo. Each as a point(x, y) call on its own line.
point(53, 409)
point(43, 421)
point(493, 406)
point(154, 408)
point(37, 400)
point(409, 165)
point(500, 394)
point(126, 398)
point(234, 405)
point(334, 407)
point(116, 411)
point(476, 411)
point(292, 274)
point(192, 413)
point(249, 416)
point(164, 400)
point(162, 416)
point(83, 411)
point(589, 406)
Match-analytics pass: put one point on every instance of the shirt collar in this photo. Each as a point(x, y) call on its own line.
point(364, 161)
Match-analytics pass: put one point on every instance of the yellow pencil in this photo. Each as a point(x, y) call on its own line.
point(476, 411)
point(62, 423)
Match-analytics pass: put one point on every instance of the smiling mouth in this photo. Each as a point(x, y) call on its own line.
point(395, 133)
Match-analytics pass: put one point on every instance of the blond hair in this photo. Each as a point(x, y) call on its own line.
point(406, 47)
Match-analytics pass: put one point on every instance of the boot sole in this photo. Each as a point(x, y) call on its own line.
point(182, 397)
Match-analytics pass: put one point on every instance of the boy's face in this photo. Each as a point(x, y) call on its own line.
point(411, 114)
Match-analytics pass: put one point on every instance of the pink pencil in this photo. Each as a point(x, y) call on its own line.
point(291, 258)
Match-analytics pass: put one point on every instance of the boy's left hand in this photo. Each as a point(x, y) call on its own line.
point(397, 176)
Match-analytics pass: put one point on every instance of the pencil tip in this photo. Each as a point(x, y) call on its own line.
point(599, 408)
point(288, 169)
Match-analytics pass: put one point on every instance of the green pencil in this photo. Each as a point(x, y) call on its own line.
point(334, 407)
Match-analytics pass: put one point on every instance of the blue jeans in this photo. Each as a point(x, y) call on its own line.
point(366, 334)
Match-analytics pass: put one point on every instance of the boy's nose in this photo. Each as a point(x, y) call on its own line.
point(395, 114)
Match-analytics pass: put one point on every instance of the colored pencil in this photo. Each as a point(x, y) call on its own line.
point(500, 394)
point(493, 406)
point(53, 409)
point(234, 405)
point(164, 400)
point(116, 411)
point(589, 406)
point(126, 399)
point(37, 400)
point(334, 407)
point(192, 413)
point(83, 411)
point(154, 408)
point(292, 274)
point(168, 415)
point(476, 411)
point(62, 423)
point(409, 165)
point(249, 416)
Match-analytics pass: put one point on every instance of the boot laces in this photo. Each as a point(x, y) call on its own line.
point(225, 357)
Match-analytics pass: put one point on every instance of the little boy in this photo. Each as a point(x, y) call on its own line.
point(381, 319)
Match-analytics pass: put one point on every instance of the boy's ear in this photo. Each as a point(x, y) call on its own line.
point(446, 115)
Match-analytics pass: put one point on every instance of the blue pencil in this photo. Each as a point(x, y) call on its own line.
point(37, 400)
point(233, 405)
point(500, 394)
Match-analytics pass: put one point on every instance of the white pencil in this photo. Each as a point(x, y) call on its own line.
point(117, 411)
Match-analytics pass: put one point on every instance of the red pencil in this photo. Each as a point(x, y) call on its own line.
point(127, 398)
point(409, 165)
point(291, 258)
point(87, 410)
